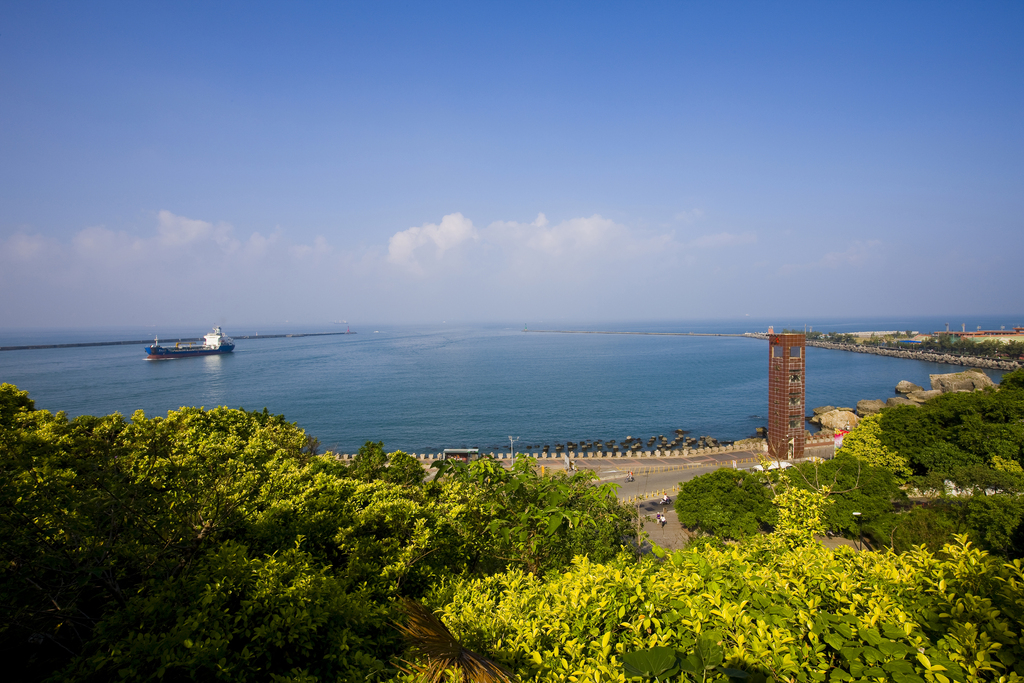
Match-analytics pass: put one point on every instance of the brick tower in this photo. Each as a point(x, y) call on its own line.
point(786, 395)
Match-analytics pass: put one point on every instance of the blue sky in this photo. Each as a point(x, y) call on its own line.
point(410, 162)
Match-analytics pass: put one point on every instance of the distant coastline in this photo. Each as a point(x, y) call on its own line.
point(930, 356)
point(653, 334)
point(76, 345)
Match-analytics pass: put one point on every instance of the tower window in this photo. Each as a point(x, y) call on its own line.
point(794, 378)
point(794, 352)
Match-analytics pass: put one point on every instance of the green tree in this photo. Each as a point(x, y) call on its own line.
point(1006, 465)
point(905, 531)
point(997, 522)
point(404, 469)
point(727, 503)
point(522, 518)
point(800, 514)
point(92, 509)
point(239, 617)
point(854, 486)
point(864, 442)
point(369, 462)
point(1015, 380)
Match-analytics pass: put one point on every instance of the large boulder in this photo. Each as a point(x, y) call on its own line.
point(968, 380)
point(815, 419)
point(900, 401)
point(922, 396)
point(839, 419)
point(905, 387)
point(869, 407)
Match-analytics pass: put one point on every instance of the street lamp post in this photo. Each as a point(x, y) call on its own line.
point(512, 447)
point(860, 536)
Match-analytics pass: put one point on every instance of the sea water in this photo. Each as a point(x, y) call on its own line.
point(422, 389)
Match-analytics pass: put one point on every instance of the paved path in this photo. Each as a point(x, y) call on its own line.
point(673, 536)
point(654, 476)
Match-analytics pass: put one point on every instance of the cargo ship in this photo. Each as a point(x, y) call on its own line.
point(213, 343)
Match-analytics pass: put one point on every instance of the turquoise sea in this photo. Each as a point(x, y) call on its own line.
point(422, 389)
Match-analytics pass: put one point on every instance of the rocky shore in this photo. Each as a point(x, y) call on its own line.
point(971, 361)
point(831, 417)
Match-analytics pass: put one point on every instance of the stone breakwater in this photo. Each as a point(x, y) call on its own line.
point(931, 356)
point(818, 439)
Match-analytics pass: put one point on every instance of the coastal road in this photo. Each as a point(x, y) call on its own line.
point(654, 475)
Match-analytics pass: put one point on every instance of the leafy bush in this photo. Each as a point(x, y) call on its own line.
point(238, 617)
point(803, 614)
point(925, 526)
point(94, 509)
point(957, 429)
point(522, 518)
point(727, 503)
point(736, 504)
point(864, 442)
point(854, 486)
point(372, 464)
point(214, 544)
point(1013, 380)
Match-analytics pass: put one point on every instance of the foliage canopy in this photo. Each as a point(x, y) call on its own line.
point(214, 544)
point(217, 545)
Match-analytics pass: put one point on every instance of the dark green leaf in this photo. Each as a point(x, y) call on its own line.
point(835, 640)
point(734, 674)
point(708, 651)
point(657, 662)
point(899, 666)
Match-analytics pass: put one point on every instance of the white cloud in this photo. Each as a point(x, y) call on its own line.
point(66, 279)
point(258, 245)
point(25, 247)
point(98, 244)
point(405, 246)
point(319, 249)
point(569, 239)
point(585, 244)
point(581, 266)
point(178, 231)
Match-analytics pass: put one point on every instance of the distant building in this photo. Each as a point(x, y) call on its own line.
point(786, 382)
point(1016, 334)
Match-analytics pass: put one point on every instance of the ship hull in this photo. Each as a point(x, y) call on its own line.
point(161, 353)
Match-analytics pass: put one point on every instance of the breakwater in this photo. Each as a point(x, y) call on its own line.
point(652, 334)
point(132, 342)
point(930, 356)
point(818, 439)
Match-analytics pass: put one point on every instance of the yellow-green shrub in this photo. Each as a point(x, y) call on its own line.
point(807, 614)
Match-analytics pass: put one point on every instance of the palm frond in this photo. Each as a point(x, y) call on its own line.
point(431, 641)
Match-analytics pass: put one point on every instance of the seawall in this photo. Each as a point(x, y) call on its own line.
point(818, 439)
point(930, 356)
